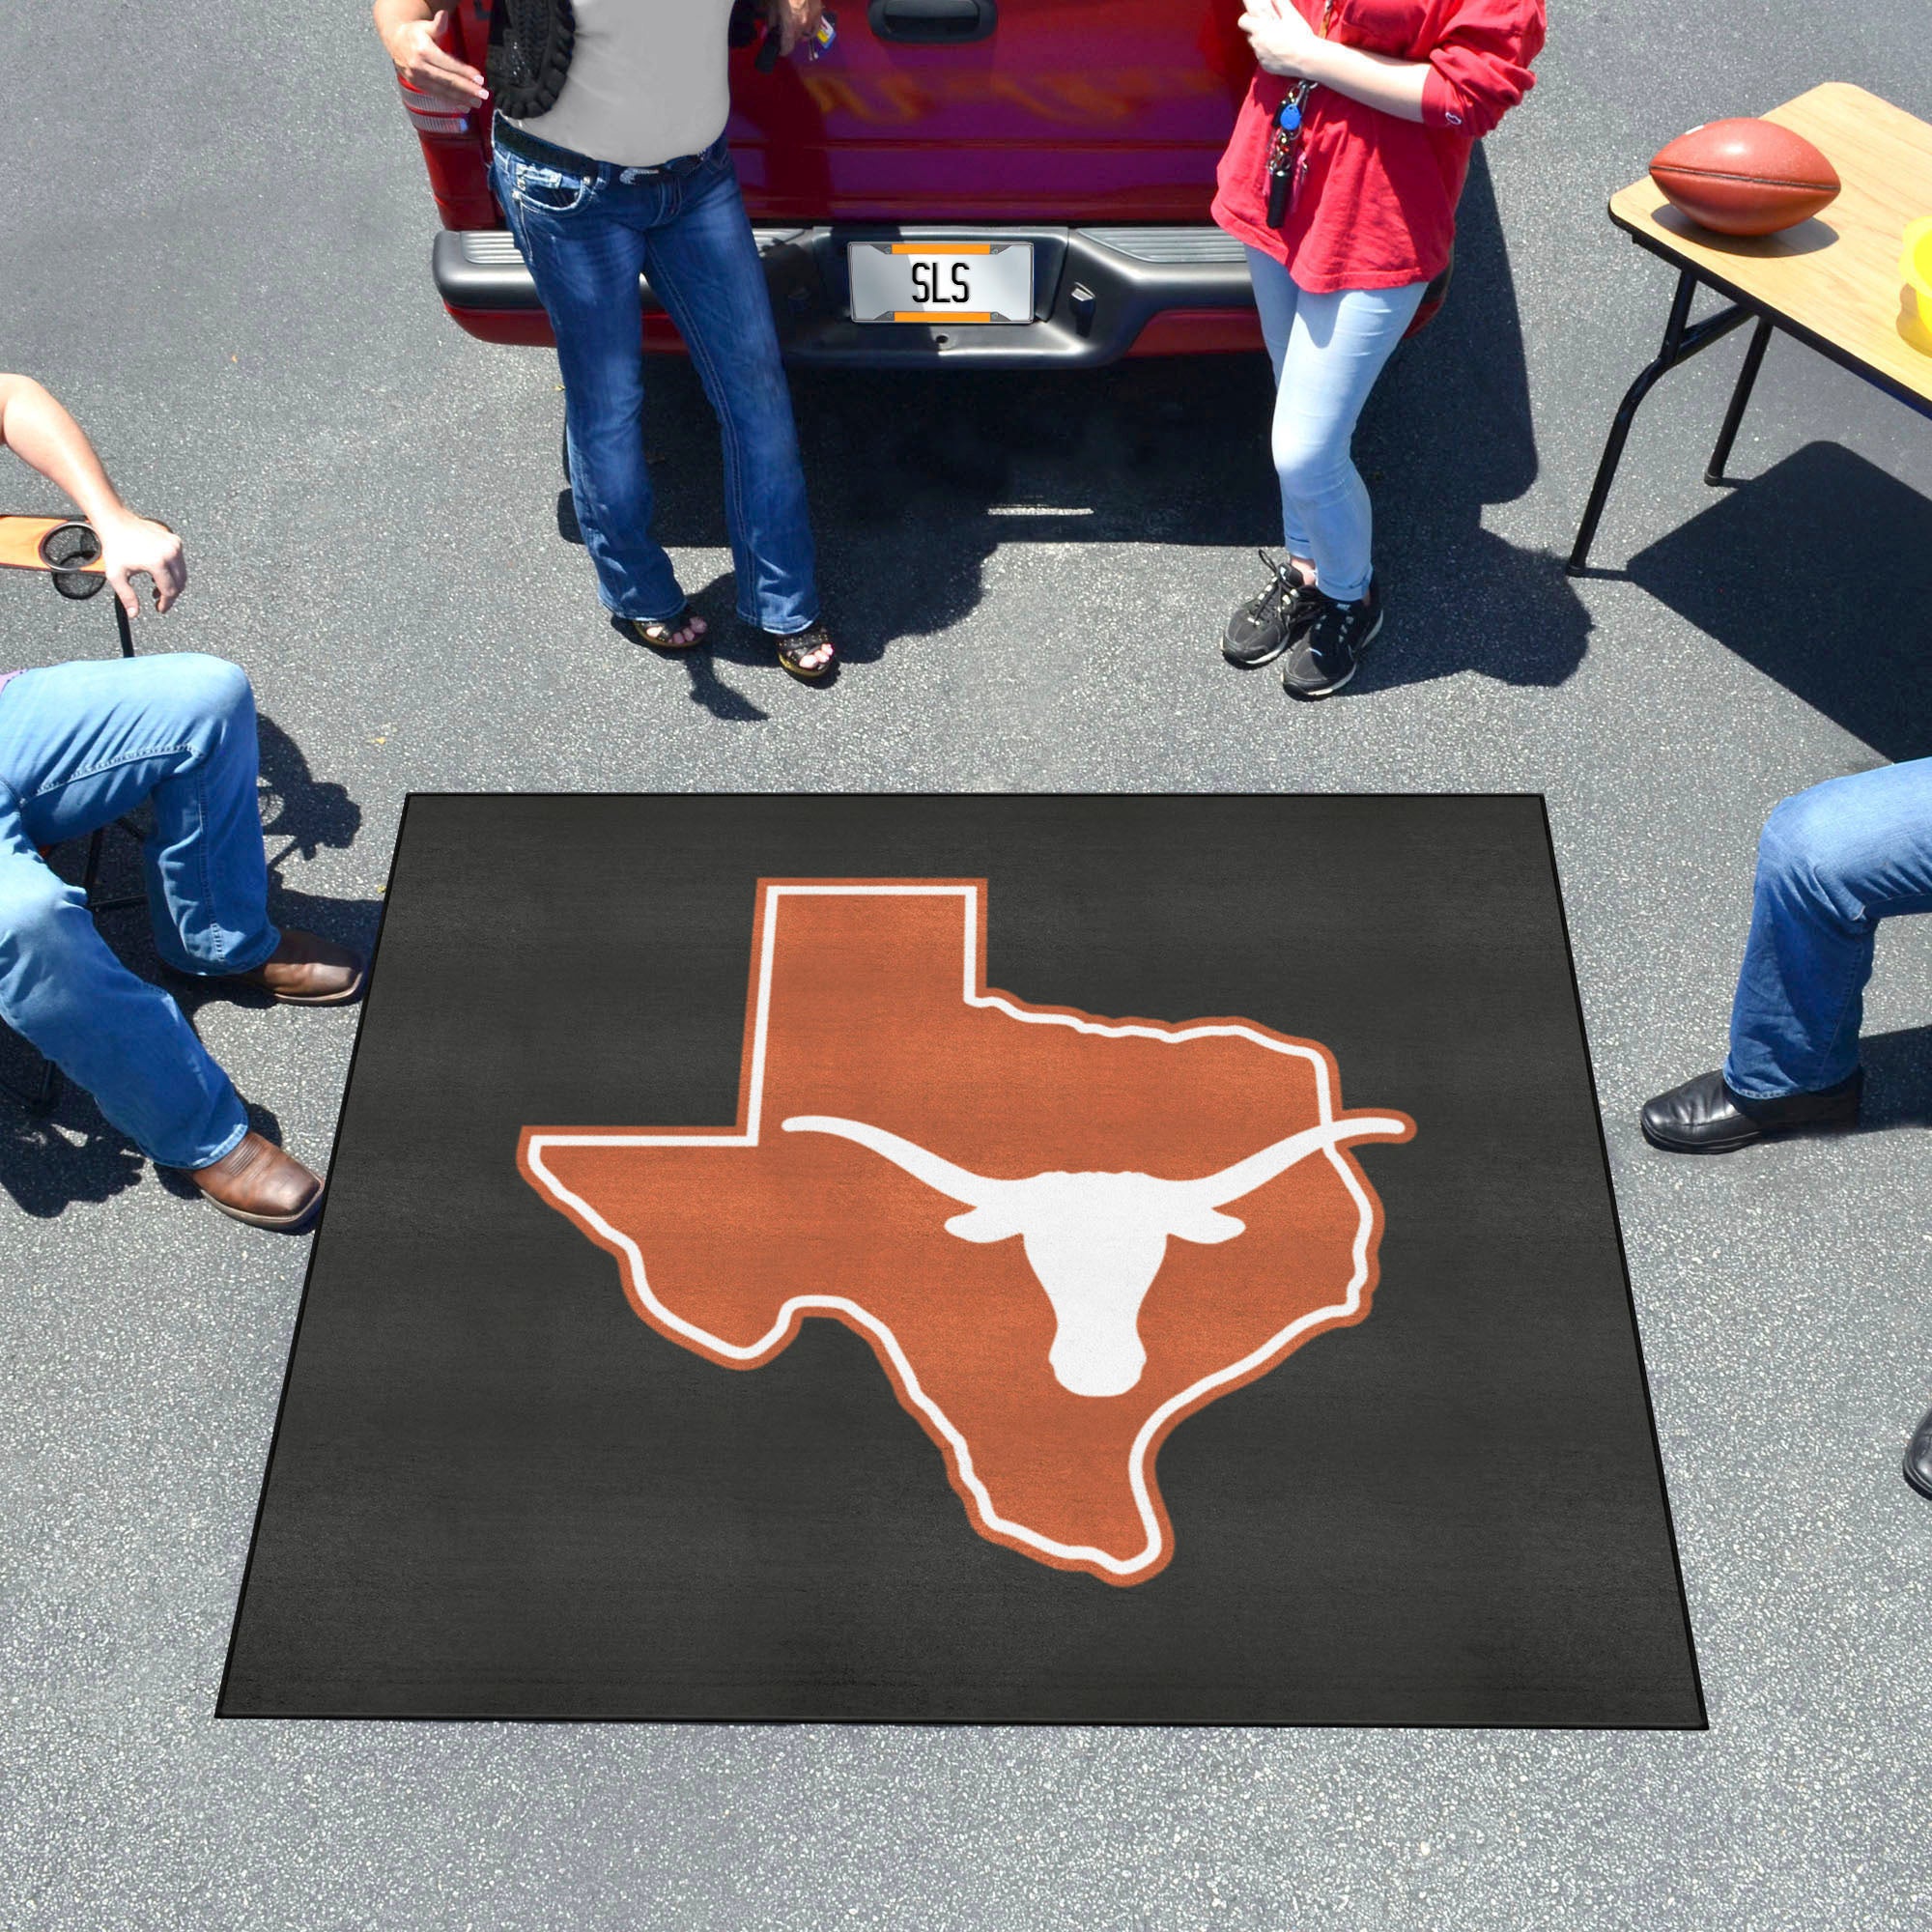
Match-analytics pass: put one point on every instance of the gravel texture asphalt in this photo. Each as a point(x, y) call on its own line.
point(215, 248)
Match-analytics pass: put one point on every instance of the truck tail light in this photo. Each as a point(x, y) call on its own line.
point(432, 117)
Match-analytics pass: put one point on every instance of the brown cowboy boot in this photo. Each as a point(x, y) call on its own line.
point(306, 970)
point(255, 1182)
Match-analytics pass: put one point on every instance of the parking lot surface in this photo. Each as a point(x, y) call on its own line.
point(215, 250)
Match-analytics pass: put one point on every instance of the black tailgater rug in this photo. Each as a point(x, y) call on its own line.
point(983, 1259)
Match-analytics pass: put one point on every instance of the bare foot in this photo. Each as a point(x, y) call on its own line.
point(669, 633)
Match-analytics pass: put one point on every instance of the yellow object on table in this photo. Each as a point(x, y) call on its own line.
point(1915, 313)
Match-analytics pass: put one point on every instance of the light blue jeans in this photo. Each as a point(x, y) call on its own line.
point(586, 238)
point(1327, 352)
point(1832, 862)
point(81, 743)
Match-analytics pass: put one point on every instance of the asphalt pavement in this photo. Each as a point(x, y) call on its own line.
point(215, 248)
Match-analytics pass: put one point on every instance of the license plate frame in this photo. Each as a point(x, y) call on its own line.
point(969, 281)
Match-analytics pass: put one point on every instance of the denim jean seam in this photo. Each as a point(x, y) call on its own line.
point(1851, 993)
point(228, 1147)
point(624, 616)
point(529, 207)
point(111, 765)
point(735, 454)
point(201, 843)
point(734, 473)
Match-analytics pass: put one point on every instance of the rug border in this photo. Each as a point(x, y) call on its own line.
point(1623, 1263)
point(313, 1249)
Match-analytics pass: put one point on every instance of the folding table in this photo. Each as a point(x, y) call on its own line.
point(1832, 282)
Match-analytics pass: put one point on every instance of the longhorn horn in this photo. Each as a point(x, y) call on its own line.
point(956, 1183)
point(1217, 1190)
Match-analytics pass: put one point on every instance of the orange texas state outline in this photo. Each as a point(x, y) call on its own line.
point(1061, 1234)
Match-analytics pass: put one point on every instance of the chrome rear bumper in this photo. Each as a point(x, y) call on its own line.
point(1094, 290)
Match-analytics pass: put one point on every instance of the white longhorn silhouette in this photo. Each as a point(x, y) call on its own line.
point(1096, 1241)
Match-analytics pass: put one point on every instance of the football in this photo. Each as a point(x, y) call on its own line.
point(1744, 177)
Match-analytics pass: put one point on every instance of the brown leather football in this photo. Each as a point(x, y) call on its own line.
point(1744, 177)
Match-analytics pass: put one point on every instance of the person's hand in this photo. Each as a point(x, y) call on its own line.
point(132, 546)
point(1283, 42)
point(428, 68)
point(794, 21)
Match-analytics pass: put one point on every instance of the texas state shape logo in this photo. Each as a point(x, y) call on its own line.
point(1060, 1234)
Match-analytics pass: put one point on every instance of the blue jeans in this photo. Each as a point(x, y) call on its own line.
point(1832, 862)
point(1327, 352)
point(586, 238)
point(81, 743)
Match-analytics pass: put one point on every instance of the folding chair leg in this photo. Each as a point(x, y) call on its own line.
point(91, 872)
point(44, 1096)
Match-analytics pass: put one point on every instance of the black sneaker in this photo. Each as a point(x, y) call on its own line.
point(1325, 655)
point(1265, 626)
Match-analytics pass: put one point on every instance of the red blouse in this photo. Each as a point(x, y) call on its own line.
point(1374, 205)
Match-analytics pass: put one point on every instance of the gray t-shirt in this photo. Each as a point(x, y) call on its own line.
point(647, 83)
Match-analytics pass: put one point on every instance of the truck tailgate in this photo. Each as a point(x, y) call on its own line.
point(1066, 111)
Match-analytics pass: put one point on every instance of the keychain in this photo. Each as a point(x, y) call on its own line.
point(1287, 137)
point(1281, 150)
point(820, 40)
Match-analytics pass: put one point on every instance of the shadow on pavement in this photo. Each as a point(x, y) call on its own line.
point(1448, 432)
point(1898, 1079)
point(1818, 573)
point(727, 638)
point(47, 1163)
point(917, 476)
point(306, 811)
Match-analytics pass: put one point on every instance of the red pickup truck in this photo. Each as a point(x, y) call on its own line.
point(1021, 184)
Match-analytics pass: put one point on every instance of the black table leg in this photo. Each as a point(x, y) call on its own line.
point(1682, 340)
point(1740, 396)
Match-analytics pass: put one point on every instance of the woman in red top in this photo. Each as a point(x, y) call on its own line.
point(1342, 177)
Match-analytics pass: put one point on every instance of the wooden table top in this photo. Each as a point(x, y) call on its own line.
point(1834, 278)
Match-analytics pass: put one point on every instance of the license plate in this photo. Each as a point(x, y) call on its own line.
point(941, 281)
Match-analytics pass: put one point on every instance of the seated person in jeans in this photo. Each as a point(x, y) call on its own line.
point(609, 161)
point(1832, 862)
point(82, 744)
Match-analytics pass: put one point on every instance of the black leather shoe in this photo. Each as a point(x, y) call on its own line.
point(1703, 1116)
point(1919, 1455)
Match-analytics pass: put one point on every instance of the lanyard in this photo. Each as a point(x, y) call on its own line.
point(1287, 137)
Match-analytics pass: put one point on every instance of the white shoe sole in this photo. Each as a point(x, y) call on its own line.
point(1329, 690)
point(1253, 664)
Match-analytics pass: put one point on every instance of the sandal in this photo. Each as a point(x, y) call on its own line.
point(661, 633)
point(794, 648)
